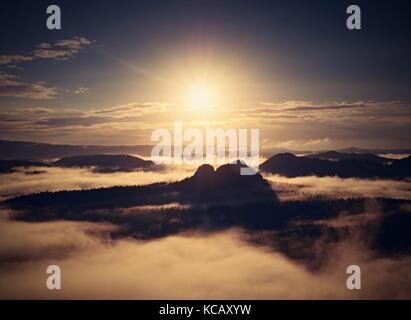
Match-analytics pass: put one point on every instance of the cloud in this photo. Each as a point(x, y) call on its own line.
point(14, 58)
point(66, 48)
point(334, 187)
point(35, 111)
point(191, 265)
point(187, 266)
point(123, 124)
point(298, 109)
point(11, 86)
point(334, 107)
point(382, 125)
point(369, 124)
point(309, 144)
point(55, 122)
point(296, 105)
point(44, 46)
point(62, 238)
point(61, 49)
point(51, 54)
point(353, 221)
point(81, 90)
point(75, 43)
point(54, 179)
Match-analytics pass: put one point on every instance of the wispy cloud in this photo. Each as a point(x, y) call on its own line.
point(11, 86)
point(293, 125)
point(14, 58)
point(61, 49)
point(75, 43)
point(334, 187)
point(81, 90)
point(55, 179)
point(310, 143)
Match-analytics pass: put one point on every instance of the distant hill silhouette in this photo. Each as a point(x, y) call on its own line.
point(100, 163)
point(334, 155)
point(374, 151)
point(46, 151)
point(401, 168)
point(289, 165)
point(105, 163)
point(331, 163)
point(9, 166)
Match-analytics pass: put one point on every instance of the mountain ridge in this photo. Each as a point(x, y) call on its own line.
point(291, 166)
point(46, 151)
point(104, 163)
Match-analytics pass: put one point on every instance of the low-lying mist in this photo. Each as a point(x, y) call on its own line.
point(335, 187)
point(186, 266)
point(31, 180)
point(175, 251)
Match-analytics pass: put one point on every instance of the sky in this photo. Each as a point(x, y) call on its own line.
point(117, 70)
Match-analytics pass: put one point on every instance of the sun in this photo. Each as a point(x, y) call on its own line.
point(201, 97)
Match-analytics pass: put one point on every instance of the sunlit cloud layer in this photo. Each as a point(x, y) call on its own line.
point(216, 266)
point(11, 85)
point(335, 187)
point(295, 125)
point(56, 179)
point(23, 181)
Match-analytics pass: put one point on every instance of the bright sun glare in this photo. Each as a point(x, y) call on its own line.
point(201, 97)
